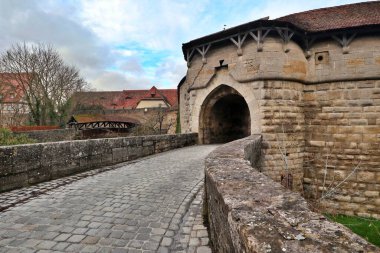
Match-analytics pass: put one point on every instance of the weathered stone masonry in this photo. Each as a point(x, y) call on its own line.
point(312, 89)
point(248, 212)
point(23, 165)
point(343, 128)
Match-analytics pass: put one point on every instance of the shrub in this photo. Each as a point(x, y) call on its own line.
point(8, 138)
point(32, 128)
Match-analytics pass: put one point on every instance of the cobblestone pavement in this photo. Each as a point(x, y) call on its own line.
point(192, 237)
point(141, 206)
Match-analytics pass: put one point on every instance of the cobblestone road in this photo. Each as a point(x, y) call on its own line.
point(143, 206)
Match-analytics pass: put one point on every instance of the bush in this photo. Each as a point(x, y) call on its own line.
point(8, 138)
point(32, 128)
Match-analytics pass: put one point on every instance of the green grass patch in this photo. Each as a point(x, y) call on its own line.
point(368, 228)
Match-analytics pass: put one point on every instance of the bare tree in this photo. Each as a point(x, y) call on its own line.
point(46, 81)
point(161, 120)
point(158, 122)
point(16, 114)
point(158, 119)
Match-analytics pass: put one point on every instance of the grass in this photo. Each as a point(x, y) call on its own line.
point(368, 228)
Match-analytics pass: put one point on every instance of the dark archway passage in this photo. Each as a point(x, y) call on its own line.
point(224, 116)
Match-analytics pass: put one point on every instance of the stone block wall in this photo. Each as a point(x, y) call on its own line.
point(283, 129)
point(362, 60)
point(23, 165)
point(249, 212)
point(342, 144)
point(322, 103)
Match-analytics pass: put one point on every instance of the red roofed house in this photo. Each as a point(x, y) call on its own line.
point(138, 106)
point(128, 99)
point(158, 98)
point(13, 107)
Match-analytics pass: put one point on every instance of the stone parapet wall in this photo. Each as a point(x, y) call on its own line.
point(342, 144)
point(249, 212)
point(23, 165)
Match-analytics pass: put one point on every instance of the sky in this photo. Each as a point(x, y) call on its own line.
point(132, 44)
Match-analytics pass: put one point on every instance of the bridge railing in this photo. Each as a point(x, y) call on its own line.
point(249, 212)
point(23, 165)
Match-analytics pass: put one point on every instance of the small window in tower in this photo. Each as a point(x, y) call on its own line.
point(322, 57)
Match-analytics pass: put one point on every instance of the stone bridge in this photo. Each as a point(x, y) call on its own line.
point(154, 203)
point(148, 205)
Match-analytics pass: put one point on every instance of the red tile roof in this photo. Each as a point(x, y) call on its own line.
point(352, 16)
point(338, 17)
point(126, 99)
point(106, 99)
point(133, 97)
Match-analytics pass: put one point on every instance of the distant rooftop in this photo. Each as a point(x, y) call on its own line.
point(338, 17)
point(343, 17)
point(126, 99)
point(11, 90)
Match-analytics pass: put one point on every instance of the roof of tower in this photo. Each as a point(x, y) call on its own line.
point(338, 17)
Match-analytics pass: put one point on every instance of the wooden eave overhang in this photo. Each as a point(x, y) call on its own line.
point(275, 27)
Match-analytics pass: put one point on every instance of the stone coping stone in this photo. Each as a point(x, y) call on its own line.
point(28, 164)
point(249, 212)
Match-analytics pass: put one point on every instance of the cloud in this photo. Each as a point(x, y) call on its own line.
point(27, 21)
point(172, 70)
point(124, 52)
point(152, 24)
point(119, 44)
point(113, 80)
point(139, 83)
point(131, 65)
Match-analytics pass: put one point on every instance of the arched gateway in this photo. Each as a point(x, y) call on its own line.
point(224, 116)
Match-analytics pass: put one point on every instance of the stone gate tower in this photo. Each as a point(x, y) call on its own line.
point(308, 82)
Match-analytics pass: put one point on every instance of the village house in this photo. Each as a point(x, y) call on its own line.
point(13, 107)
point(126, 99)
point(125, 109)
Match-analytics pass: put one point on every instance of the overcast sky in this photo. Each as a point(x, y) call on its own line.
point(132, 44)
